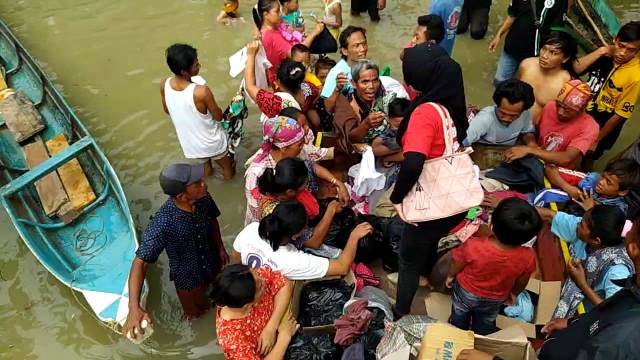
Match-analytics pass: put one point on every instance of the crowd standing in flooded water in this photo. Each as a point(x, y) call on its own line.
point(359, 169)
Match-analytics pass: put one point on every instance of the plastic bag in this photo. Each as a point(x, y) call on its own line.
point(377, 299)
point(312, 346)
point(392, 235)
point(321, 302)
point(374, 334)
point(371, 247)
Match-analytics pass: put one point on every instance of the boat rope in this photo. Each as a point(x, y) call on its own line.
point(85, 242)
point(593, 24)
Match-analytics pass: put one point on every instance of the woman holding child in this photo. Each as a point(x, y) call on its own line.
point(429, 70)
point(268, 18)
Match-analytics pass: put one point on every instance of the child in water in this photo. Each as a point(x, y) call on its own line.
point(229, 12)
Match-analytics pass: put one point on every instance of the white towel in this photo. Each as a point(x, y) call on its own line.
point(366, 178)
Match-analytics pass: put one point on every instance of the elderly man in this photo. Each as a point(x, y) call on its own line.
point(186, 226)
point(366, 102)
point(565, 131)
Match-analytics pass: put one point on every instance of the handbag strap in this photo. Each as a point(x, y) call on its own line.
point(445, 118)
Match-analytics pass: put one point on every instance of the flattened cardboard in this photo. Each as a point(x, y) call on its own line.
point(49, 188)
point(444, 342)
point(438, 306)
point(73, 178)
point(294, 306)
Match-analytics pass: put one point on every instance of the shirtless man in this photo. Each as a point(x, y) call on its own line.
point(548, 73)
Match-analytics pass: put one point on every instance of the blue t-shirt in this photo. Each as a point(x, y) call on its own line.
point(330, 83)
point(565, 226)
point(449, 11)
point(485, 128)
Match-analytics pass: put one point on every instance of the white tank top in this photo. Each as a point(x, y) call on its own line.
point(200, 136)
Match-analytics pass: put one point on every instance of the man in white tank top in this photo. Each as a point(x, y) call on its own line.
point(194, 112)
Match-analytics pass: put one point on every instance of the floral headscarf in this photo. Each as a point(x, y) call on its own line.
point(279, 131)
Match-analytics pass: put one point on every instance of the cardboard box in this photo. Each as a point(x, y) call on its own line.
point(443, 341)
point(438, 306)
point(294, 307)
point(510, 344)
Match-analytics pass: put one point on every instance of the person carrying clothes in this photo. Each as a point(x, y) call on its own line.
point(487, 271)
point(449, 11)
point(353, 46)
point(266, 16)
point(251, 313)
point(598, 255)
point(504, 124)
point(565, 131)
point(186, 227)
point(475, 18)
point(430, 70)
point(270, 243)
point(194, 112)
point(525, 30)
point(283, 137)
point(614, 77)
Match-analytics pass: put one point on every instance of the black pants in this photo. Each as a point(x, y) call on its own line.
point(475, 15)
point(418, 255)
point(370, 6)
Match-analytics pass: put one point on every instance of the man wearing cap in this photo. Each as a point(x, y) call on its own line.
point(565, 131)
point(186, 226)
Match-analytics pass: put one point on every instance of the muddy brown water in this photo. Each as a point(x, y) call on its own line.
point(107, 57)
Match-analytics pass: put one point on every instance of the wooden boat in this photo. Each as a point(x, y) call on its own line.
point(90, 247)
point(593, 22)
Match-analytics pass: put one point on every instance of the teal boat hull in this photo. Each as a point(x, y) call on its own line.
point(93, 253)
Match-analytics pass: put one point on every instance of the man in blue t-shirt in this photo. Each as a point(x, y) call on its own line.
point(449, 11)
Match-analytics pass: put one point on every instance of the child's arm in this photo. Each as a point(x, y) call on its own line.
point(280, 304)
point(380, 149)
point(546, 214)
point(520, 284)
point(454, 269)
point(395, 157)
point(579, 277)
point(553, 175)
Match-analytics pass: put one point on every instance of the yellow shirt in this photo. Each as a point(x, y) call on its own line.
point(620, 91)
point(311, 78)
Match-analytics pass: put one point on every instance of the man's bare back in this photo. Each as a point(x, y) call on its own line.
point(546, 83)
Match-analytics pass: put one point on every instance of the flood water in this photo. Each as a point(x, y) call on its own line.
point(107, 57)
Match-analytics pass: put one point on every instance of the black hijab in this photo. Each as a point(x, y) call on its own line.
point(429, 69)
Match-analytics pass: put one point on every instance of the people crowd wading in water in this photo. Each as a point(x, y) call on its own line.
point(298, 199)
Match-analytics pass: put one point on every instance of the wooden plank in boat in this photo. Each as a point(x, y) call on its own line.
point(73, 178)
point(49, 188)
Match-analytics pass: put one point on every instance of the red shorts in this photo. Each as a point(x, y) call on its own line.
point(195, 302)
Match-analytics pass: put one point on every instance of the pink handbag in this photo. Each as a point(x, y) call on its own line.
point(448, 185)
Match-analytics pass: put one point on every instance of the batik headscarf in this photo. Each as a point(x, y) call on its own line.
point(427, 68)
point(575, 94)
point(279, 131)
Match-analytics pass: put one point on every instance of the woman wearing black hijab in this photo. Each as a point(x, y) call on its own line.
point(428, 69)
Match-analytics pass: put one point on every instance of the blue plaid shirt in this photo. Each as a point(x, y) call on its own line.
point(190, 239)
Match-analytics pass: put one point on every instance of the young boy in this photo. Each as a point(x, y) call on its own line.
point(301, 54)
point(596, 239)
point(489, 270)
point(323, 65)
point(194, 112)
point(292, 15)
point(610, 188)
point(229, 12)
point(385, 145)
